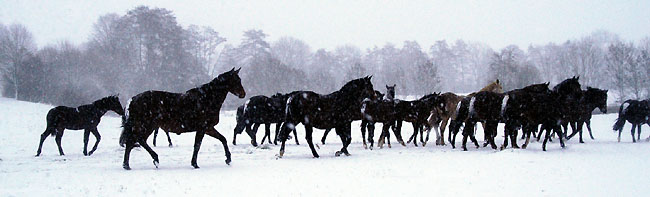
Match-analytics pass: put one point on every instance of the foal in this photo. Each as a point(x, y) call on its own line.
point(84, 117)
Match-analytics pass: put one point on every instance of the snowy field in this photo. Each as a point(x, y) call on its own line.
point(600, 167)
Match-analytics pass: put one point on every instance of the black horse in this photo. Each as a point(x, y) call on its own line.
point(637, 113)
point(336, 110)
point(417, 113)
point(84, 117)
point(261, 110)
point(197, 110)
point(378, 110)
point(592, 98)
point(364, 123)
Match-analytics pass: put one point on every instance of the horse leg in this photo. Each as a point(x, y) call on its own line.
point(212, 132)
point(579, 127)
point(443, 126)
point(398, 134)
point(48, 131)
point(198, 139)
point(154, 156)
point(363, 133)
point(638, 132)
point(277, 129)
point(513, 137)
point(574, 131)
point(86, 135)
point(97, 139)
point(295, 135)
point(588, 123)
point(416, 129)
point(371, 134)
point(619, 134)
point(127, 152)
point(253, 134)
point(155, 135)
point(414, 135)
point(546, 137)
point(506, 130)
point(267, 132)
point(344, 132)
point(492, 128)
point(327, 131)
point(633, 128)
point(59, 135)
point(309, 130)
point(169, 139)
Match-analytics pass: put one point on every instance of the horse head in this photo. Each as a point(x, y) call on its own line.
point(390, 92)
point(361, 87)
point(598, 97)
point(569, 88)
point(493, 87)
point(232, 82)
point(111, 103)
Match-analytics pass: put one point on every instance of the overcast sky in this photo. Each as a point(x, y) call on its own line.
point(327, 24)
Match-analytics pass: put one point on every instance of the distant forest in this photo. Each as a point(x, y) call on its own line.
point(146, 49)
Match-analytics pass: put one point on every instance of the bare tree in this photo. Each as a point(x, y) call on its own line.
point(16, 44)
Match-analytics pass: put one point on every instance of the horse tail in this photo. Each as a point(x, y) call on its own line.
point(240, 119)
point(620, 121)
point(127, 129)
point(287, 127)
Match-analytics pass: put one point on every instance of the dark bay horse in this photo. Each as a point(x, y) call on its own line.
point(84, 117)
point(637, 113)
point(592, 98)
point(336, 110)
point(261, 110)
point(196, 110)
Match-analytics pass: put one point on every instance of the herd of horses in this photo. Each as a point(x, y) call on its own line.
point(533, 109)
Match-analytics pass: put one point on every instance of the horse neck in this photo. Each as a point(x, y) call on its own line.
point(346, 95)
point(101, 107)
point(213, 94)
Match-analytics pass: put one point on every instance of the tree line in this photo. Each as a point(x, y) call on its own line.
point(146, 49)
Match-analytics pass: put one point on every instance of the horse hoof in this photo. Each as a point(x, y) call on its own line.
point(155, 163)
point(582, 142)
point(126, 167)
point(195, 166)
point(228, 161)
point(170, 146)
point(85, 154)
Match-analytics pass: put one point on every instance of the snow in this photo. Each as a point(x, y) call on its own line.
point(600, 167)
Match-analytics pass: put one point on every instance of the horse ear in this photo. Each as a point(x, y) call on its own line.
point(233, 69)
point(497, 81)
point(237, 71)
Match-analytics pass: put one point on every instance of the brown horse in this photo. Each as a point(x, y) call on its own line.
point(196, 110)
point(440, 116)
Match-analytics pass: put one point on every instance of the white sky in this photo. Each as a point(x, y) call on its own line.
point(327, 24)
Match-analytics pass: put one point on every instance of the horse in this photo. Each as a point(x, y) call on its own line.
point(528, 107)
point(417, 113)
point(364, 123)
point(592, 98)
point(336, 110)
point(637, 113)
point(84, 117)
point(196, 110)
point(261, 110)
point(380, 110)
point(441, 118)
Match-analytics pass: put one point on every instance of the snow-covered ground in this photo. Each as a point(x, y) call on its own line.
point(600, 167)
